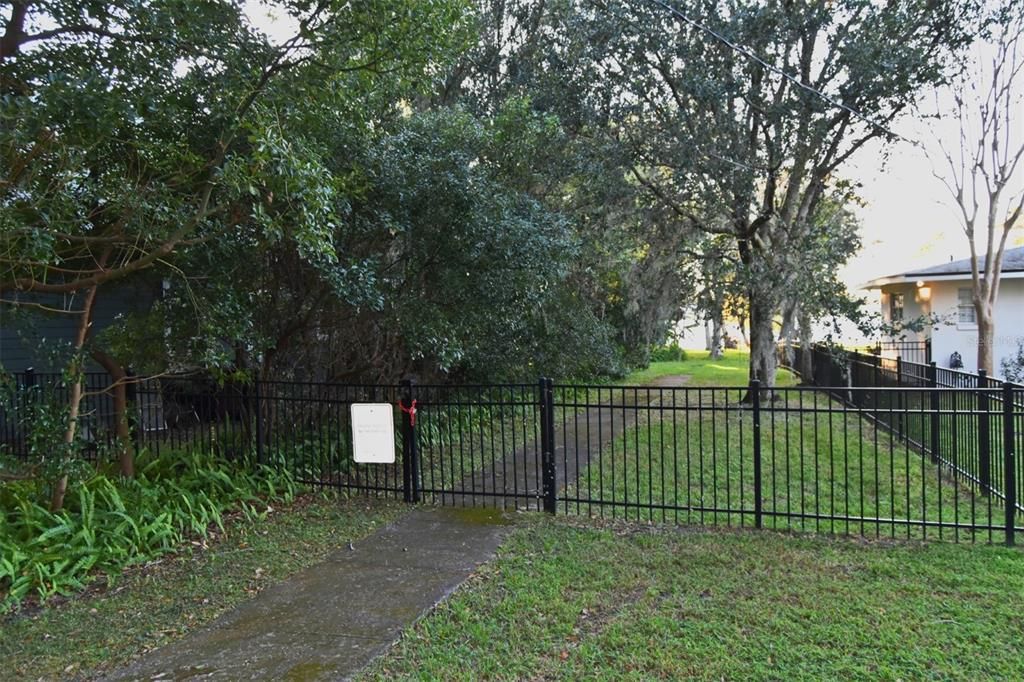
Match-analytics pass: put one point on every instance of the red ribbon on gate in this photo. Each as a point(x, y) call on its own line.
point(411, 411)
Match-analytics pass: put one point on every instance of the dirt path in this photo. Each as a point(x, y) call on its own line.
point(583, 426)
point(671, 381)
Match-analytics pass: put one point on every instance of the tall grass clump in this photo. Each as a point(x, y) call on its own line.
point(110, 523)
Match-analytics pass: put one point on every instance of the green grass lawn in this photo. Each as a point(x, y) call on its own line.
point(731, 370)
point(691, 458)
point(629, 602)
point(153, 605)
point(828, 463)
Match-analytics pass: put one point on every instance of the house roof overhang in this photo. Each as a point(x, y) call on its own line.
point(914, 277)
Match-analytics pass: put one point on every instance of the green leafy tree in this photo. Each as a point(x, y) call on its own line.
point(528, 58)
point(134, 131)
point(740, 116)
point(450, 271)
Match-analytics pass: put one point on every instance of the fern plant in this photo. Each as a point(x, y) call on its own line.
point(111, 523)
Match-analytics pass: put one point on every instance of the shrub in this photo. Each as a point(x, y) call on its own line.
point(671, 353)
point(1013, 366)
point(111, 523)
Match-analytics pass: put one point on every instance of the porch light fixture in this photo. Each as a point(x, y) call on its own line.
point(924, 293)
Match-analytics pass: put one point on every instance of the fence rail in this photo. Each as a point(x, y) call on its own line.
point(883, 448)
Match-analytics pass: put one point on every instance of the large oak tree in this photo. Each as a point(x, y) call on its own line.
point(741, 115)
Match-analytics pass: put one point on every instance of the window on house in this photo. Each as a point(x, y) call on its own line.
point(965, 308)
point(895, 307)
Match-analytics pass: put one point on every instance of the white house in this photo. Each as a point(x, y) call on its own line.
point(945, 292)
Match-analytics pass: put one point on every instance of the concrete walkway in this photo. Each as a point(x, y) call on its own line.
point(329, 621)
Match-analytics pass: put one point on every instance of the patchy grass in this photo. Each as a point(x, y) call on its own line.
point(629, 602)
point(157, 603)
point(731, 370)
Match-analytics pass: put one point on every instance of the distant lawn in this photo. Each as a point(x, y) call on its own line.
point(731, 370)
point(154, 605)
point(632, 603)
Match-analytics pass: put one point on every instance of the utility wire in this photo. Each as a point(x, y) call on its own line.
point(771, 67)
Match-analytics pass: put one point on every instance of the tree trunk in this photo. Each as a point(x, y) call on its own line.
point(717, 342)
point(742, 320)
point(806, 368)
point(986, 336)
point(75, 370)
point(122, 427)
point(788, 331)
point(763, 361)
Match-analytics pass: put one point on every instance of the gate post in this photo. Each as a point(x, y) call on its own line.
point(259, 420)
point(984, 439)
point(755, 393)
point(935, 406)
point(547, 437)
point(133, 409)
point(1009, 475)
point(410, 449)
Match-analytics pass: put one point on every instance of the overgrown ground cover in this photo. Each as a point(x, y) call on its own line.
point(695, 450)
point(568, 601)
point(159, 602)
point(109, 522)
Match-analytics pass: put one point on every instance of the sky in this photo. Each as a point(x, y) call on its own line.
point(909, 220)
point(906, 222)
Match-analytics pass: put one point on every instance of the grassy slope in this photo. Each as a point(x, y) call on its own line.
point(833, 463)
point(153, 606)
point(570, 603)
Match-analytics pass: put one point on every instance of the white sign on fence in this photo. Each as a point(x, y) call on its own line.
point(373, 433)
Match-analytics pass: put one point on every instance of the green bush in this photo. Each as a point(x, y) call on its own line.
point(1013, 365)
point(671, 353)
point(110, 523)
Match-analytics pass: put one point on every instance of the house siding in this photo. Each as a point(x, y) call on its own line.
point(40, 340)
point(949, 336)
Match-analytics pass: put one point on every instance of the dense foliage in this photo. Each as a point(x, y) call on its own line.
point(110, 523)
point(364, 190)
point(451, 271)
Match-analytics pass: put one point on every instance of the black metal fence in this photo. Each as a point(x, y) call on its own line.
point(883, 451)
point(971, 419)
point(37, 397)
point(912, 351)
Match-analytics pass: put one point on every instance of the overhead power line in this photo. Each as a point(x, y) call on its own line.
point(774, 69)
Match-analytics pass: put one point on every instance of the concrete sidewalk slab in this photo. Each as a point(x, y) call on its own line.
point(329, 621)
